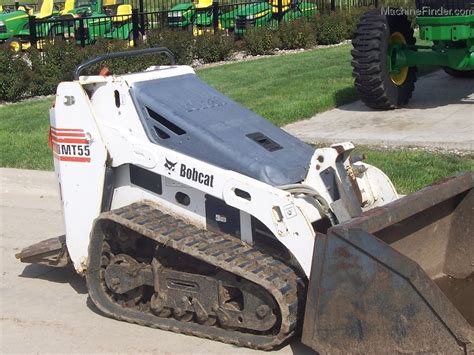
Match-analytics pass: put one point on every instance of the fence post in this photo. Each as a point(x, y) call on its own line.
point(280, 10)
point(333, 5)
point(141, 9)
point(376, 3)
point(32, 28)
point(215, 15)
point(135, 27)
point(82, 33)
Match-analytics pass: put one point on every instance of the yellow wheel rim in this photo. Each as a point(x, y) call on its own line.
point(398, 78)
point(15, 46)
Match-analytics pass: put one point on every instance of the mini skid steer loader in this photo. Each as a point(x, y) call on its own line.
point(187, 212)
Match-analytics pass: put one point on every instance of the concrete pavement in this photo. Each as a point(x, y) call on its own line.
point(45, 310)
point(440, 115)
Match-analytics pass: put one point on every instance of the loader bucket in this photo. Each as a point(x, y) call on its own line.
point(398, 279)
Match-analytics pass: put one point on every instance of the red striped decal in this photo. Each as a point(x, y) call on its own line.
point(74, 159)
point(66, 129)
point(68, 134)
point(70, 140)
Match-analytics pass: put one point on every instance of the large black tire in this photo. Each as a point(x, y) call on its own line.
point(370, 61)
point(460, 73)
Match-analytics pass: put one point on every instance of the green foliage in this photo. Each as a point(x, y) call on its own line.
point(214, 47)
point(15, 75)
point(330, 28)
point(351, 19)
point(55, 63)
point(298, 33)
point(261, 40)
point(181, 43)
point(119, 65)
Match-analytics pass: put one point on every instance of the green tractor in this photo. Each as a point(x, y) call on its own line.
point(183, 15)
point(385, 55)
point(267, 13)
point(101, 19)
point(198, 17)
point(14, 25)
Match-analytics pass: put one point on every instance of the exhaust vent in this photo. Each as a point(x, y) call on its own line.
point(264, 141)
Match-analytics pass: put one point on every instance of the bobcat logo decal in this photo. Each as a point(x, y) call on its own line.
point(170, 165)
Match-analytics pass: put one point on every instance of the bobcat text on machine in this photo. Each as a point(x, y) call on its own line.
point(187, 212)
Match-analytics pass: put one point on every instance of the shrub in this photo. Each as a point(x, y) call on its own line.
point(214, 47)
point(330, 28)
point(15, 75)
point(180, 43)
point(261, 40)
point(351, 18)
point(55, 63)
point(120, 65)
point(298, 33)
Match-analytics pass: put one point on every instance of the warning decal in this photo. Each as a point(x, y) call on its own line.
point(70, 144)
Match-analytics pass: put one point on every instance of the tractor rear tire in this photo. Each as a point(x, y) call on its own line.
point(376, 86)
point(459, 73)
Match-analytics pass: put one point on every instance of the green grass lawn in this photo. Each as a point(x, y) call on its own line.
point(412, 170)
point(24, 135)
point(288, 88)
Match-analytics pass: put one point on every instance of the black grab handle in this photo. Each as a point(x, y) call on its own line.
point(133, 53)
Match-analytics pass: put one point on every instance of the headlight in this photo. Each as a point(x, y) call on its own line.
point(175, 13)
point(249, 17)
point(3, 28)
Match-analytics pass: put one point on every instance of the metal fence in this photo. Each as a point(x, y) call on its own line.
point(87, 30)
point(181, 15)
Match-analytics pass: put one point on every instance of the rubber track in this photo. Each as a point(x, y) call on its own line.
point(221, 250)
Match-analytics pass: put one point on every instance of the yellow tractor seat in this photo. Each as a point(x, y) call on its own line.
point(46, 10)
point(26, 9)
point(203, 4)
point(124, 12)
point(284, 6)
point(68, 6)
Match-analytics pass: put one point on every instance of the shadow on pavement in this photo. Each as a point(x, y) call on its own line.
point(59, 275)
point(432, 91)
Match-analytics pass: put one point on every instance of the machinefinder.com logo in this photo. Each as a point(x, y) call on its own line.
point(426, 11)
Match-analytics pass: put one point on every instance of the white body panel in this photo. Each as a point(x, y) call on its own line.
point(115, 130)
point(79, 160)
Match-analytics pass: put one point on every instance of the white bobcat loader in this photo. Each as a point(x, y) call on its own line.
point(187, 212)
